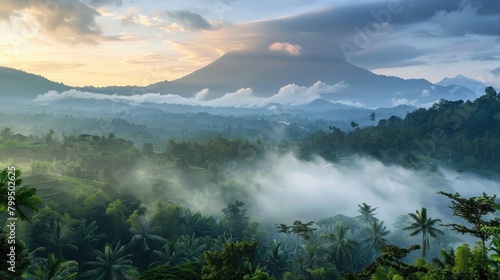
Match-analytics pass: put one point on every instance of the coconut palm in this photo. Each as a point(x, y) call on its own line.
point(423, 225)
point(448, 259)
point(277, 260)
point(367, 214)
point(376, 238)
point(85, 237)
point(112, 264)
point(172, 254)
point(193, 247)
point(55, 239)
point(52, 268)
point(143, 233)
point(25, 196)
point(343, 247)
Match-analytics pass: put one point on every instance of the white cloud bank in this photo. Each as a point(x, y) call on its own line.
point(289, 95)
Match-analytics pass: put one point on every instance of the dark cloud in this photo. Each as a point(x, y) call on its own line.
point(192, 20)
point(496, 71)
point(379, 29)
point(68, 21)
point(102, 3)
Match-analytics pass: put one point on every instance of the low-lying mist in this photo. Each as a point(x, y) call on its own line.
point(282, 188)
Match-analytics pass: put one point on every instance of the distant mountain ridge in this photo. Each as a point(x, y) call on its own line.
point(463, 81)
point(266, 74)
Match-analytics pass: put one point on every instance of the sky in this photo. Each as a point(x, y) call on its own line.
point(132, 42)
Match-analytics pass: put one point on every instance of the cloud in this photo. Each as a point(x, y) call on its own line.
point(288, 95)
point(426, 92)
point(102, 3)
point(192, 20)
point(403, 101)
point(284, 188)
point(350, 103)
point(291, 49)
point(72, 22)
point(496, 71)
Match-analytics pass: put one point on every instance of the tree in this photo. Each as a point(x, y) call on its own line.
point(236, 218)
point(143, 232)
point(25, 196)
point(56, 238)
point(112, 264)
point(53, 268)
point(423, 225)
point(85, 237)
point(277, 260)
point(367, 214)
point(302, 230)
point(474, 210)
point(232, 263)
point(377, 232)
point(390, 257)
point(343, 247)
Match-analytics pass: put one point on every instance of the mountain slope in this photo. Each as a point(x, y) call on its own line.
point(19, 84)
point(266, 73)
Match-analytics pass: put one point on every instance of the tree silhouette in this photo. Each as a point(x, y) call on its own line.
point(367, 214)
point(423, 225)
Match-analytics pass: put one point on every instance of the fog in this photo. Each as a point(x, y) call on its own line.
point(284, 188)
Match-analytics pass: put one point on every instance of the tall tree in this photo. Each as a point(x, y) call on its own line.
point(367, 214)
point(423, 225)
point(475, 211)
point(376, 238)
point(343, 246)
point(236, 218)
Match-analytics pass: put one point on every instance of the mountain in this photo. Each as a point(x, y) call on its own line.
point(19, 84)
point(460, 80)
point(266, 73)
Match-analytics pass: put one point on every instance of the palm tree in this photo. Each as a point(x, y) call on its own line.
point(377, 232)
point(173, 254)
point(25, 196)
point(143, 232)
point(193, 247)
point(53, 268)
point(85, 237)
point(110, 264)
point(343, 246)
point(277, 260)
point(56, 238)
point(423, 225)
point(367, 214)
point(448, 257)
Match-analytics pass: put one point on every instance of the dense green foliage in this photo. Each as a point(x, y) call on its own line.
point(115, 209)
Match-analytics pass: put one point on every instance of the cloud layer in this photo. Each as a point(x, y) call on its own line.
point(289, 95)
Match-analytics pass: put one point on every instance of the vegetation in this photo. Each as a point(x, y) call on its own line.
point(104, 207)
